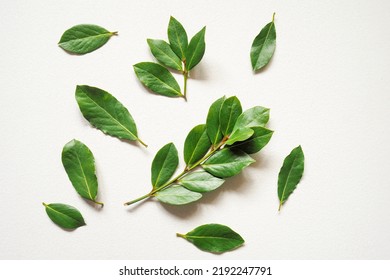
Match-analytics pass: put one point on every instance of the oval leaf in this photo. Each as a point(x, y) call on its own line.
point(177, 37)
point(214, 238)
point(290, 174)
point(196, 49)
point(227, 162)
point(163, 53)
point(201, 181)
point(230, 111)
point(263, 46)
point(256, 142)
point(106, 113)
point(164, 165)
point(212, 123)
point(157, 78)
point(196, 145)
point(79, 164)
point(240, 134)
point(177, 195)
point(84, 38)
point(64, 215)
point(256, 116)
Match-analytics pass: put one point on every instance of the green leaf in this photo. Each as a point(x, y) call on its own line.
point(263, 47)
point(214, 238)
point(64, 215)
point(157, 78)
point(256, 142)
point(84, 38)
point(290, 174)
point(164, 165)
point(230, 111)
point(201, 181)
point(163, 53)
point(240, 134)
point(196, 49)
point(213, 123)
point(256, 116)
point(177, 38)
point(106, 113)
point(196, 145)
point(227, 162)
point(79, 164)
point(177, 195)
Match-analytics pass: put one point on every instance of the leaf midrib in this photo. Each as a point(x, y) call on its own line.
point(108, 34)
point(193, 54)
point(166, 54)
point(159, 79)
point(211, 237)
point(162, 167)
point(196, 147)
point(178, 41)
point(265, 40)
point(85, 178)
point(288, 176)
point(48, 206)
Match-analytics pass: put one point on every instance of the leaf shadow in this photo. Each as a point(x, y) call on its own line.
point(199, 72)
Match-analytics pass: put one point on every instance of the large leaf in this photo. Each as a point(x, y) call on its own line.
point(106, 113)
point(157, 78)
point(227, 162)
point(164, 165)
point(240, 134)
point(79, 164)
point(177, 38)
point(196, 49)
point(64, 215)
point(214, 238)
point(290, 174)
point(196, 145)
point(256, 142)
point(163, 53)
point(230, 111)
point(263, 46)
point(177, 195)
point(256, 116)
point(201, 181)
point(84, 38)
point(212, 123)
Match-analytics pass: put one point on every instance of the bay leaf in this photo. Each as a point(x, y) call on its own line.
point(196, 49)
point(230, 111)
point(263, 46)
point(196, 145)
point(201, 181)
point(164, 165)
point(79, 164)
point(213, 123)
point(177, 37)
point(163, 53)
point(240, 134)
point(227, 163)
point(256, 116)
point(158, 79)
point(84, 38)
point(290, 174)
point(106, 113)
point(64, 215)
point(177, 195)
point(214, 238)
point(256, 142)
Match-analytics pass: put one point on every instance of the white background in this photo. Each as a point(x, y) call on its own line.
point(327, 86)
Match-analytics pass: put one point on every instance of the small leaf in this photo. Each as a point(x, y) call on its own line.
point(196, 145)
point(164, 165)
point(196, 49)
point(79, 164)
point(227, 162)
point(290, 174)
point(157, 78)
point(177, 195)
point(214, 238)
point(84, 38)
point(263, 47)
point(64, 215)
point(163, 53)
point(106, 113)
point(256, 142)
point(177, 38)
point(240, 134)
point(230, 111)
point(201, 181)
point(256, 116)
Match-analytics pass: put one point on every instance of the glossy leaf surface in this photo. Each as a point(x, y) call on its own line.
point(256, 142)
point(214, 238)
point(177, 195)
point(177, 37)
point(196, 144)
point(240, 134)
point(164, 165)
point(230, 111)
point(84, 38)
point(64, 215)
point(213, 123)
point(196, 49)
point(201, 181)
point(290, 174)
point(157, 78)
point(163, 53)
point(256, 116)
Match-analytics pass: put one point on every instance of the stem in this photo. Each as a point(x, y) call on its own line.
point(185, 73)
point(114, 33)
point(273, 17)
point(142, 142)
point(138, 199)
point(280, 206)
point(100, 203)
point(181, 235)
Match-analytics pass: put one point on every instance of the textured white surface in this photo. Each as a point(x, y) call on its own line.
point(327, 86)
